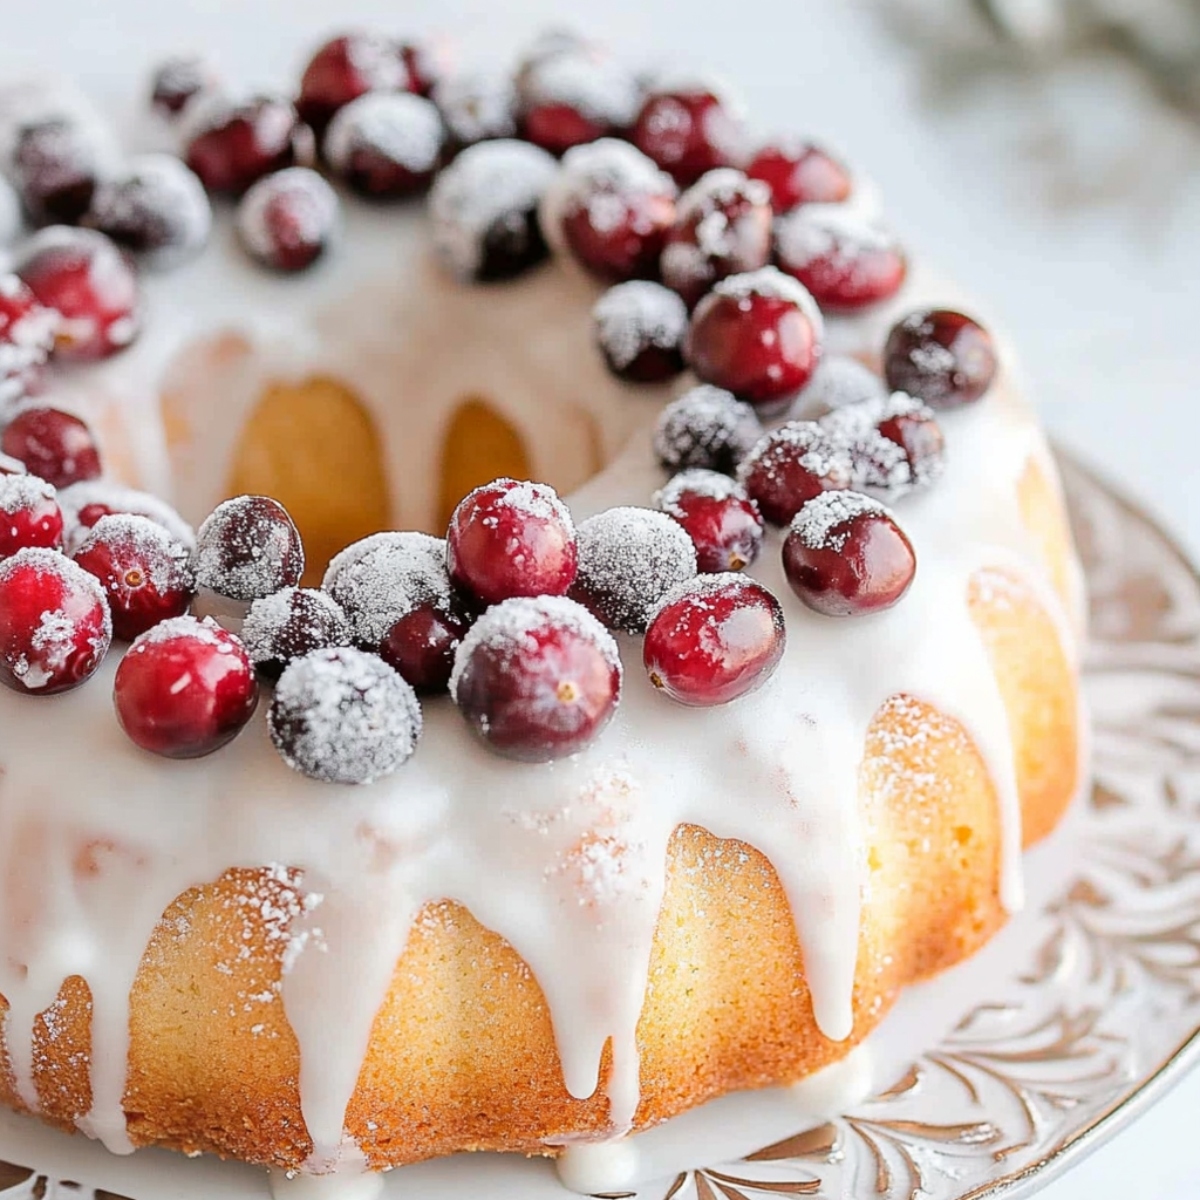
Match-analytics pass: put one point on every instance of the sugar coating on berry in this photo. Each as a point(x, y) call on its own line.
point(697, 481)
point(55, 165)
point(774, 284)
point(83, 504)
point(201, 629)
point(403, 128)
point(477, 106)
point(819, 451)
point(166, 559)
point(10, 213)
point(340, 715)
point(597, 88)
point(286, 219)
point(628, 559)
point(706, 427)
point(636, 315)
point(27, 330)
point(824, 522)
point(834, 232)
point(248, 547)
point(22, 492)
point(879, 461)
point(292, 623)
point(178, 81)
point(838, 382)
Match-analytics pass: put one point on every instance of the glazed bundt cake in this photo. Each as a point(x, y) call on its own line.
point(740, 739)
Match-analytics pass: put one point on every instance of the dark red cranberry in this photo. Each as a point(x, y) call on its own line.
point(846, 262)
point(942, 357)
point(55, 166)
point(799, 172)
point(83, 504)
point(640, 327)
point(91, 285)
point(185, 688)
point(845, 555)
point(343, 716)
point(56, 446)
point(706, 427)
point(293, 622)
point(509, 538)
point(55, 627)
point(288, 220)
point(345, 68)
point(145, 573)
point(386, 145)
point(425, 66)
point(758, 336)
point(689, 131)
point(27, 330)
point(790, 466)
point(718, 515)
point(570, 98)
point(235, 145)
point(537, 678)
point(248, 547)
point(722, 227)
point(29, 514)
point(917, 432)
point(894, 441)
point(421, 646)
point(714, 639)
point(178, 81)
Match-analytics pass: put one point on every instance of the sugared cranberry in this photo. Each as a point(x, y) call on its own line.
point(421, 646)
point(386, 144)
point(290, 624)
point(640, 327)
point(895, 442)
point(838, 382)
point(185, 688)
point(915, 429)
point(845, 261)
point(714, 639)
point(537, 678)
point(758, 336)
point(477, 107)
point(55, 165)
point(342, 716)
point(575, 97)
point(55, 627)
point(688, 131)
point(29, 514)
point(236, 144)
point(145, 573)
point(629, 558)
point(613, 208)
point(426, 63)
point(83, 504)
point(943, 357)
point(10, 466)
point(57, 446)
point(722, 227)
point(718, 515)
point(511, 539)
point(248, 547)
point(799, 172)
point(91, 285)
point(27, 330)
point(790, 466)
point(288, 220)
point(845, 555)
point(178, 81)
point(345, 68)
point(706, 427)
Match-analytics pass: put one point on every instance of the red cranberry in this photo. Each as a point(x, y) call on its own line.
point(511, 539)
point(640, 327)
point(287, 220)
point(943, 357)
point(477, 107)
point(688, 131)
point(706, 427)
point(55, 445)
point(91, 285)
point(537, 679)
point(758, 336)
point(29, 514)
point(386, 144)
point(55, 166)
point(425, 64)
point(915, 429)
point(83, 504)
point(145, 573)
point(790, 466)
point(714, 639)
point(345, 68)
point(27, 331)
point(55, 627)
point(421, 646)
point(846, 262)
point(293, 622)
point(185, 689)
point(799, 172)
point(722, 227)
point(845, 555)
point(248, 547)
point(718, 515)
point(235, 145)
point(571, 98)
point(178, 81)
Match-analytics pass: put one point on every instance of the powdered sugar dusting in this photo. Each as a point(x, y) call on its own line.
point(824, 522)
point(838, 381)
point(291, 623)
point(633, 316)
point(706, 427)
point(313, 211)
point(598, 88)
point(696, 481)
point(20, 493)
point(167, 561)
point(404, 128)
point(772, 282)
point(477, 106)
point(97, 494)
point(204, 630)
point(834, 233)
point(879, 462)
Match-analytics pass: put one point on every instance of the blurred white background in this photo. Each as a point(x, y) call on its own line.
point(1070, 208)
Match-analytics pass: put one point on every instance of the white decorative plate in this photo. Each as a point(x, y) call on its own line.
point(1083, 1011)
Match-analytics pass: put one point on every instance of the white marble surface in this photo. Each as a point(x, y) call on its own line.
point(1071, 211)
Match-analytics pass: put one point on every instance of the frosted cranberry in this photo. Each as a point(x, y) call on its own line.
point(288, 220)
point(55, 627)
point(421, 647)
point(83, 504)
point(706, 427)
point(758, 336)
point(845, 555)
point(916, 431)
point(145, 573)
point(57, 446)
point(55, 166)
point(27, 330)
point(689, 131)
point(800, 173)
point(425, 64)
point(248, 547)
point(718, 515)
point(714, 639)
point(345, 68)
point(537, 679)
point(571, 98)
point(185, 688)
point(476, 107)
point(10, 466)
point(511, 539)
point(722, 227)
point(29, 514)
point(91, 285)
point(291, 623)
point(640, 327)
point(386, 144)
point(235, 145)
point(178, 81)
point(943, 357)
point(790, 466)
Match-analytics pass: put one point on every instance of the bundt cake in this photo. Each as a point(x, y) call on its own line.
point(741, 739)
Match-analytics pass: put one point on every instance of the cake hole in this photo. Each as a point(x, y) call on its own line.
point(480, 445)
